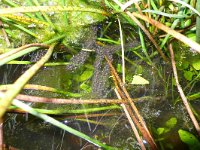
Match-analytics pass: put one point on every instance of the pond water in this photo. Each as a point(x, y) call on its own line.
point(88, 77)
point(24, 131)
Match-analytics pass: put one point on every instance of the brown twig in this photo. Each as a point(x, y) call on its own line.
point(121, 94)
point(138, 116)
point(133, 127)
point(38, 99)
point(183, 97)
point(5, 34)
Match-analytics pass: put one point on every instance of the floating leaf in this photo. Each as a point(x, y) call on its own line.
point(137, 79)
point(188, 75)
point(86, 75)
point(85, 87)
point(168, 126)
point(196, 65)
point(119, 68)
point(189, 139)
point(160, 131)
point(171, 122)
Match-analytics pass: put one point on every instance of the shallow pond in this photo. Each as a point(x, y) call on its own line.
point(155, 103)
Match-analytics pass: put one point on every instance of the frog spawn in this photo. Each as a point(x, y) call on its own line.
point(101, 68)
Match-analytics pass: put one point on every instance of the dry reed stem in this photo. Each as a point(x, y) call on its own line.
point(38, 99)
point(183, 97)
point(133, 127)
point(31, 86)
point(194, 45)
point(5, 34)
point(142, 130)
point(152, 142)
point(130, 115)
point(120, 93)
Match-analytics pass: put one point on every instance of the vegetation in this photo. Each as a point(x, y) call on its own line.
point(104, 58)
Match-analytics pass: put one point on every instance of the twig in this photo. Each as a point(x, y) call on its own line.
point(152, 143)
point(130, 115)
point(183, 97)
point(37, 99)
point(118, 91)
point(5, 34)
point(133, 127)
point(11, 93)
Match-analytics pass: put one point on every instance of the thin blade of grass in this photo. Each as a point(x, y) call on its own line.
point(59, 124)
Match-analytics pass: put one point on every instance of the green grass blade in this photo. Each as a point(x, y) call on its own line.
point(59, 124)
point(28, 50)
point(24, 9)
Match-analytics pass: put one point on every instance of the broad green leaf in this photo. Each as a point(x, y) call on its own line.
point(138, 80)
point(171, 122)
point(189, 139)
point(119, 68)
point(86, 75)
point(188, 75)
point(192, 36)
point(160, 131)
point(196, 65)
point(86, 87)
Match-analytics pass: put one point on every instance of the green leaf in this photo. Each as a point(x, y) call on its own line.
point(160, 131)
point(86, 75)
point(188, 75)
point(189, 139)
point(85, 87)
point(185, 65)
point(171, 122)
point(196, 65)
point(119, 68)
point(138, 80)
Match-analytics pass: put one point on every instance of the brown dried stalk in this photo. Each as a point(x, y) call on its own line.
point(38, 99)
point(138, 116)
point(133, 127)
point(5, 34)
